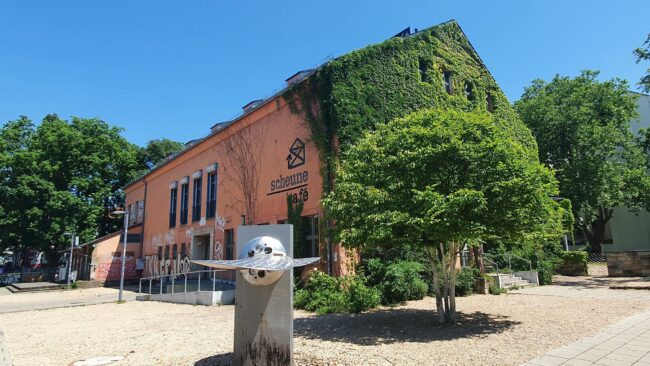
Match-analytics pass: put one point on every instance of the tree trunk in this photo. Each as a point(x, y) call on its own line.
point(445, 278)
point(433, 257)
point(595, 232)
point(478, 257)
point(452, 281)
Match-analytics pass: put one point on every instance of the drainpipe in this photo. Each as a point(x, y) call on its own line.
point(144, 219)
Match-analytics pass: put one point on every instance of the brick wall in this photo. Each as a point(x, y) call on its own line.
point(629, 263)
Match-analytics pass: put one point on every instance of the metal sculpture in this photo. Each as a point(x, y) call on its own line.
point(263, 294)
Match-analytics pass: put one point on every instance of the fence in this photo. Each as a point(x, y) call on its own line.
point(206, 280)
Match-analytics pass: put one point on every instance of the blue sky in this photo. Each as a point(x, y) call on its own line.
point(173, 69)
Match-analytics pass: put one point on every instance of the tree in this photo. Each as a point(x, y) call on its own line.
point(61, 176)
point(643, 54)
point(441, 180)
point(243, 154)
point(156, 151)
point(582, 127)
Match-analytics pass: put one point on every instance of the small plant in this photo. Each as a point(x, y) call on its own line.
point(494, 290)
point(74, 285)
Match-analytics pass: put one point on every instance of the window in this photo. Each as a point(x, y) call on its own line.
point(166, 251)
point(312, 236)
point(211, 196)
point(446, 77)
point(183, 250)
point(469, 92)
point(140, 217)
point(172, 207)
point(230, 243)
point(160, 253)
point(490, 102)
point(132, 214)
point(196, 199)
point(423, 70)
point(174, 251)
point(184, 199)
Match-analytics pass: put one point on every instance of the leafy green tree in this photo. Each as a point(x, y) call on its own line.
point(441, 180)
point(157, 150)
point(582, 127)
point(643, 54)
point(61, 176)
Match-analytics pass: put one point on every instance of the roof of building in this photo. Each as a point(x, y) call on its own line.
point(261, 102)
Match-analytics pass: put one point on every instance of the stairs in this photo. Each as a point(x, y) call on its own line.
point(511, 281)
point(34, 287)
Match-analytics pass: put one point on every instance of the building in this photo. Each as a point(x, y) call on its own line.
point(272, 163)
point(629, 227)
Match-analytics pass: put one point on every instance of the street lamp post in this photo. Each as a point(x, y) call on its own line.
point(126, 228)
point(69, 271)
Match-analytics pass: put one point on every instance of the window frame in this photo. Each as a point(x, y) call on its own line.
point(173, 198)
point(197, 188)
point(211, 195)
point(185, 190)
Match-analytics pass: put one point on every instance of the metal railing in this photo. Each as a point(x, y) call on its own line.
point(508, 256)
point(205, 280)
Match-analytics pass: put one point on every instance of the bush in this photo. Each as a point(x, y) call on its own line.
point(359, 296)
point(402, 282)
point(465, 281)
point(325, 294)
point(574, 256)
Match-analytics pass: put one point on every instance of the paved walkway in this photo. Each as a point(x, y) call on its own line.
point(60, 299)
point(624, 343)
point(5, 359)
point(587, 288)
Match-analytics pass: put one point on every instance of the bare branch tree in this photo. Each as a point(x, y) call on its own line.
point(243, 153)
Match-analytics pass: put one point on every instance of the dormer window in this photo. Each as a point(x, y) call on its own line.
point(446, 78)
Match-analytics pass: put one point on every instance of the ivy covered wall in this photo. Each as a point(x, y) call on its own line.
point(356, 91)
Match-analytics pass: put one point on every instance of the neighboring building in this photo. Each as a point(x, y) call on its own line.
point(245, 170)
point(629, 228)
point(101, 259)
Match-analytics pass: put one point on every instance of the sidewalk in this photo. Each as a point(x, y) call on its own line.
point(624, 343)
point(11, 303)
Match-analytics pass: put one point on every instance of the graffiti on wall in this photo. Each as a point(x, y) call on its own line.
point(166, 266)
point(219, 222)
point(157, 240)
point(112, 271)
point(218, 250)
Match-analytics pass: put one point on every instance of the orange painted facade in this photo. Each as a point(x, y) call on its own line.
point(279, 155)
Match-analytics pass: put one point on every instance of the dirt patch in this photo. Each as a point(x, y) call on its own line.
point(490, 330)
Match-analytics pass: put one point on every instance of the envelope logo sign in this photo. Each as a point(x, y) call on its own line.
point(296, 155)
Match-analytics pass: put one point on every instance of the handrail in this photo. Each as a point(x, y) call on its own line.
point(509, 256)
point(173, 276)
point(185, 273)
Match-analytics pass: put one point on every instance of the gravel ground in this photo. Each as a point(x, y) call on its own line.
point(491, 330)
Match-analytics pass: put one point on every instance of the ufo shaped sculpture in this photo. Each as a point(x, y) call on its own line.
point(261, 262)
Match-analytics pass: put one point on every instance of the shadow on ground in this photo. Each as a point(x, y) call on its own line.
point(398, 325)
point(224, 359)
point(387, 326)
